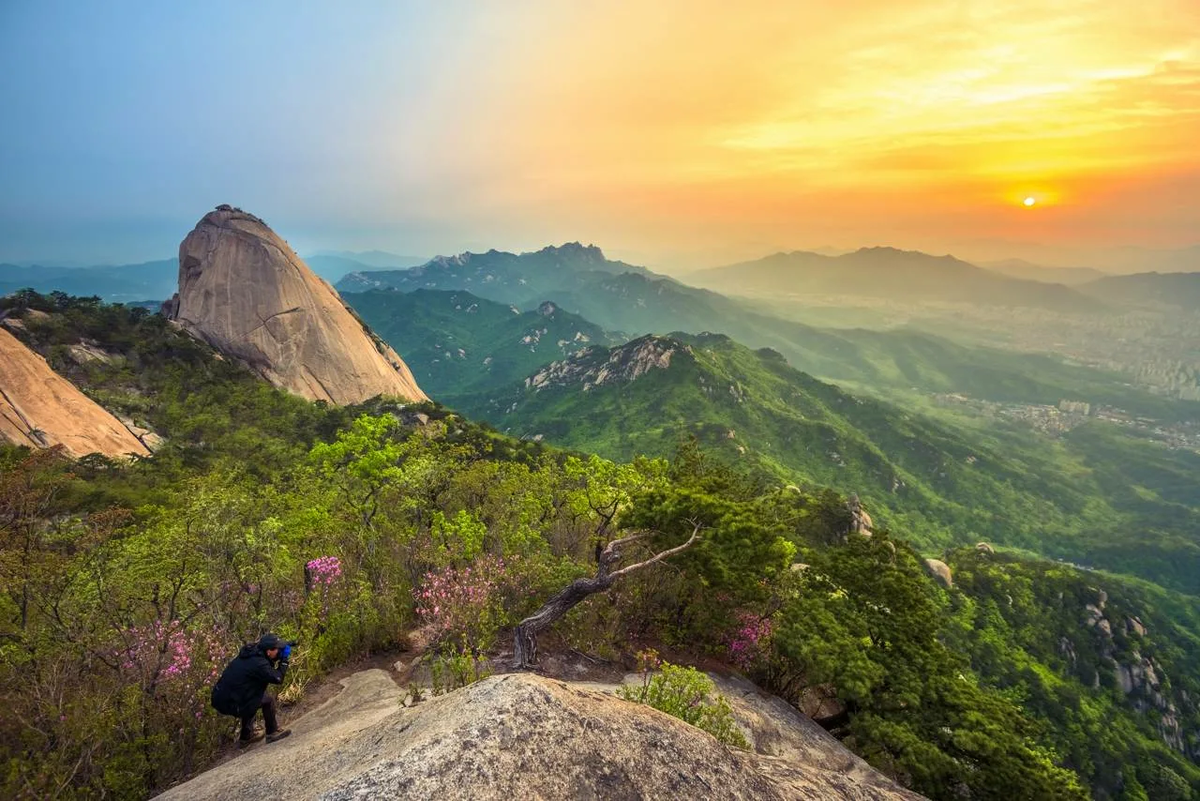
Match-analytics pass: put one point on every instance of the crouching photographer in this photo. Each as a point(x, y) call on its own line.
point(242, 689)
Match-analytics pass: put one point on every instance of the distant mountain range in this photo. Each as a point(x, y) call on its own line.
point(333, 267)
point(532, 374)
point(572, 273)
point(630, 304)
point(1148, 289)
point(158, 280)
point(524, 280)
point(1028, 271)
point(152, 280)
point(891, 274)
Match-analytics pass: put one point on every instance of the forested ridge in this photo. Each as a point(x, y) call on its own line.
point(943, 480)
point(127, 585)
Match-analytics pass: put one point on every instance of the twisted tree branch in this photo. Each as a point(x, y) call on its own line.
point(525, 634)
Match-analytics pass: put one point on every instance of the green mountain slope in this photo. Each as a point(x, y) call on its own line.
point(456, 343)
point(889, 273)
point(1098, 497)
point(1108, 666)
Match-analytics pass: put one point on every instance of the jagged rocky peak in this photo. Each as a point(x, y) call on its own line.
point(593, 367)
point(243, 290)
point(547, 309)
point(458, 260)
point(574, 251)
point(41, 409)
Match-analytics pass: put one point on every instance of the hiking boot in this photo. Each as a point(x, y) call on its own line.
point(278, 735)
point(254, 738)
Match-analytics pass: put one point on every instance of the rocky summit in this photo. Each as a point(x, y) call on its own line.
point(529, 737)
point(594, 367)
point(41, 409)
point(244, 291)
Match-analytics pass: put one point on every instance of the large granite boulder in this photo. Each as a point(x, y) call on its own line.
point(940, 571)
point(523, 736)
point(244, 291)
point(41, 409)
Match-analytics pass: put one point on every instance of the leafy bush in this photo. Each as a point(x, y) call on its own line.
point(687, 694)
point(462, 606)
point(750, 640)
point(448, 672)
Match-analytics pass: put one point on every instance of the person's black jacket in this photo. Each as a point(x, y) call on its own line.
point(240, 689)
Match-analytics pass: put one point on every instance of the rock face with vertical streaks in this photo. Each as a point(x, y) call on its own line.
point(244, 291)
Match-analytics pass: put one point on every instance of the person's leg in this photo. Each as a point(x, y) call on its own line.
point(273, 731)
point(247, 735)
point(248, 725)
point(268, 710)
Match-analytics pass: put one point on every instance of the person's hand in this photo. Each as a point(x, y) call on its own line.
point(285, 652)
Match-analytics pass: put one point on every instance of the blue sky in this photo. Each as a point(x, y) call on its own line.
point(127, 121)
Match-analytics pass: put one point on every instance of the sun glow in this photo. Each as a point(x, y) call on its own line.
point(920, 117)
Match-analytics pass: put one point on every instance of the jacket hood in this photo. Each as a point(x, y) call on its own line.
point(248, 650)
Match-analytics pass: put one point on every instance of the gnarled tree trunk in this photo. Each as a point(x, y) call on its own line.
point(525, 635)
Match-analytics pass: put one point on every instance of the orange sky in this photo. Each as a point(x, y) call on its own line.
point(920, 123)
point(673, 133)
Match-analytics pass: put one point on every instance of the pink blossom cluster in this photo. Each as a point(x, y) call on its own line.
point(324, 570)
point(750, 639)
point(453, 601)
point(169, 652)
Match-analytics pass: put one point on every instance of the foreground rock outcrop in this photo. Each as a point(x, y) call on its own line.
point(244, 291)
point(528, 737)
point(41, 409)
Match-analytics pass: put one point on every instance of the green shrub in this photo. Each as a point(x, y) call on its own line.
point(688, 694)
point(455, 670)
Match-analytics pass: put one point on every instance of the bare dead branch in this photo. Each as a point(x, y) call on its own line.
point(660, 556)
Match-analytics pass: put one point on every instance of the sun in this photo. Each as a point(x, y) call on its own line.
point(1029, 201)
